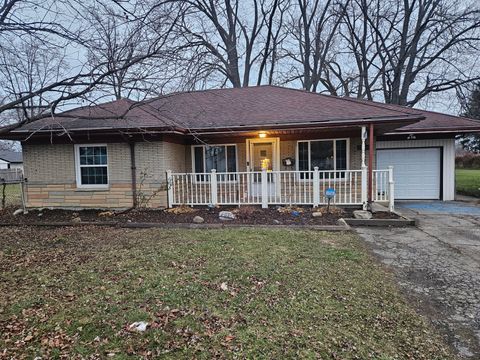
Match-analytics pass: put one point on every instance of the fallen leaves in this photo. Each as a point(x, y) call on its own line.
point(224, 286)
point(213, 294)
point(181, 210)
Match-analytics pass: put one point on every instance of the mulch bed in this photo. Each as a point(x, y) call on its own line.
point(246, 215)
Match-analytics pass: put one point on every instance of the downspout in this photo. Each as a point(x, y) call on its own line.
point(134, 173)
point(370, 163)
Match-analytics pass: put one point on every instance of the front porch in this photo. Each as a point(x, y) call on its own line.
point(267, 188)
point(283, 168)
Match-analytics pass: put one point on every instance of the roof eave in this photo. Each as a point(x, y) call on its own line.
point(19, 134)
point(435, 131)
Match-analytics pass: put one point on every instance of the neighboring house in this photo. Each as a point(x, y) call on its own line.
point(258, 145)
point(11, 159)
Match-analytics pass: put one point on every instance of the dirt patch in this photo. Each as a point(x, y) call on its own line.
point(247, 215)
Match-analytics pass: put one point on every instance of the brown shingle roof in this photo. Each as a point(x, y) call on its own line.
point(438, 122)
point(434, 122)
point(262, 106)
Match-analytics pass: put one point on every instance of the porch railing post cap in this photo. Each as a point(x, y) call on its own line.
point(214, 170)
point(315, 168)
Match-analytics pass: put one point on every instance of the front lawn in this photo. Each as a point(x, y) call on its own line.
point(468, 182)
point(72, 292)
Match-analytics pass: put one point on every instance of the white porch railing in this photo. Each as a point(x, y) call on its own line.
point(278, 187)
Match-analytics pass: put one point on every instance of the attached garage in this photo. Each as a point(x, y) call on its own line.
point(423, 169)
point(417, 172)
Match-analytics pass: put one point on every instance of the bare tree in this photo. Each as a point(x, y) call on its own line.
point(407, 50)
point(274, 22)
point(230, 38)
point(63, 23)
point(116, 42)
point(314, 28)
point(31, 66)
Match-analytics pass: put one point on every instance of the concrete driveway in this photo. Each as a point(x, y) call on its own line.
point(437, 264)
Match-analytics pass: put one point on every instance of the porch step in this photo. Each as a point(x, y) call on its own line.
point(377, 208)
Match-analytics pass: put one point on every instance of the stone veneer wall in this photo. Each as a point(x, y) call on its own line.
point(51, 182)
point(50, 170)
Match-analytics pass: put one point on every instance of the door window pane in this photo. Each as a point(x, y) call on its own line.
point(222, 158)
point(341, 154)
point(303, 156)
point(324, 154)
point(198, 159)
point(231, 159)
point(215, 158)
point(321, 155)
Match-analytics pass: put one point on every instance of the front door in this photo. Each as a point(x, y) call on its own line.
point(262, 154)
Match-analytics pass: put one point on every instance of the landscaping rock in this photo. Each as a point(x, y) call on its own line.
point(277, 222)
point(18, 212)
point(106, 214)
point(40, 214)
point(317, 214)
point(76, 220)
point(226, 215)
point(198, 220)
point(377, 208)
point(362, 214)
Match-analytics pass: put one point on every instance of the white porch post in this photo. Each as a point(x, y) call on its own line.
point(364, 137)
point(316, 187)
point(213, 187)
point(391, 189)
point(169, 189)
point(364, 169)
point(264, 189)
point(364, 187)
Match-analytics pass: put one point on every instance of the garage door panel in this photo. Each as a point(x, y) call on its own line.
point(416, 171)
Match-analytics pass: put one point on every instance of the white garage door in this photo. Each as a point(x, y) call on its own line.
point(416, 171)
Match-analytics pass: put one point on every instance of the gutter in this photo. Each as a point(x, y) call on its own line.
point(133, 168)
point(182, 131)
point(434, 131)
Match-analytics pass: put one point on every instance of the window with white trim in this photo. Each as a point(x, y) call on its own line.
point(222, 158)
point(91, 166)
point(324, 154)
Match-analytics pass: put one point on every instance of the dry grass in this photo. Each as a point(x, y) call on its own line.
point(237, 293)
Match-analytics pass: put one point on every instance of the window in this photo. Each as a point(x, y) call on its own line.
point(324, 154)
point(222, 158)
point(91, 166)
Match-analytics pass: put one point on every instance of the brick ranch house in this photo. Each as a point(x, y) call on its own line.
point(263, 145)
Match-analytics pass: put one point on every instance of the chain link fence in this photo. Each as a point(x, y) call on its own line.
point(11, 188)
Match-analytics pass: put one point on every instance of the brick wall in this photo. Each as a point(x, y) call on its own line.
point(50, 170)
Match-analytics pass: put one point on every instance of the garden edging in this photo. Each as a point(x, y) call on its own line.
point(402, 221)
point(342, 226)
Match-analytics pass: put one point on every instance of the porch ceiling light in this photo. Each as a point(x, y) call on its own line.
point(262, 135)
